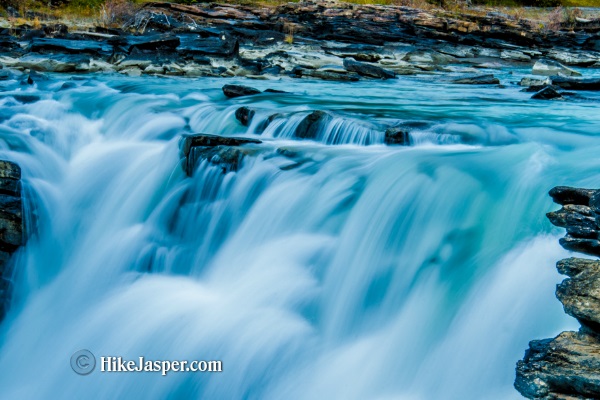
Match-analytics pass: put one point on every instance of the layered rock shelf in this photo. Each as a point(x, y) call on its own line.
point(568, 366)
point(329, 41)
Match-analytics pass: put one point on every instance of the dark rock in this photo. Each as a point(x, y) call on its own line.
point(153, 42)
point(565, 367)
point(219, 150)
point(576, 84)
point(5, 75)
point(274, 91)
point(487, 79)
point(581, 245)
point(244, 115)
point(369, 70)
point(397, 136)
point(213, 46)
point(44, 45)
point(299, 72)
point(547, 93)
point(571, 195)
point(12, 226)
point(311, 125)
point(239, 90)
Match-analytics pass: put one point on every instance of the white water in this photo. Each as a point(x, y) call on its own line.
point(366, 272)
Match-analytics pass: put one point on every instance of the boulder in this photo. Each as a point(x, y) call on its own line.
point(244, 115)
point(232, 91)
point(571, 195)
point(576, 84)
point(397, 136)
point(223, 151)
point(477, 79)
point(547, 93)
point(565, 367)
point(312, 124)
point(369, 70)
point(550, 68)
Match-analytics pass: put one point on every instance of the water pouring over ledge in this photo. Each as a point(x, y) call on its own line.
point(361, 272)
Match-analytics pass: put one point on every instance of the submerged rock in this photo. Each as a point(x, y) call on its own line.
point(232, 91)
point(369, 70)
point(550, 68)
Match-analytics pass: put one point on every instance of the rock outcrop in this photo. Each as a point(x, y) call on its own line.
point(223, 151)
point(12, 226)
point(568, 366)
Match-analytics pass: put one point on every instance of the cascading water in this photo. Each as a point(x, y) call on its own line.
point(349, 272)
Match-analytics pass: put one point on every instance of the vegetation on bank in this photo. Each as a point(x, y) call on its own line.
point(544, 14)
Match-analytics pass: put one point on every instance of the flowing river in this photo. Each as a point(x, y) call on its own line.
point(363, 271)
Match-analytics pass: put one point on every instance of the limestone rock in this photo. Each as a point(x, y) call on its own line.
point(550, 68)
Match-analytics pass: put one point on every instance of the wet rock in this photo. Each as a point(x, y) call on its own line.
point(244, 115)
point(52, 45)
point(550, 68)
point(369, 70)
point(547, 93)
point(12, 226)
point(571, 195)
point(580, 293)
point(153, 42)
point(213, 47)
point(298, 72)
point(565, 367)
point(487, 79)
point(576, 84)
point(311, 125)
point(223, 151)
point(5, 75)
point(232, 91)
point(397, 136)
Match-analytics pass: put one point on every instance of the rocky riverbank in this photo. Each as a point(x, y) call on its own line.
point(330, 41)
point(567, 366)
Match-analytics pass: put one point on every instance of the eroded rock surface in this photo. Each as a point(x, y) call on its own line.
point(568, 366)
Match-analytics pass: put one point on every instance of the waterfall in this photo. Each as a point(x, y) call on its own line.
point(356, 271)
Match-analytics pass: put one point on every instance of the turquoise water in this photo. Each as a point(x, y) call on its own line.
point(361, 272)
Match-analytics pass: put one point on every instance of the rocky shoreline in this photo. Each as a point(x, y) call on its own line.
point(329, 41)
point(567, 366)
